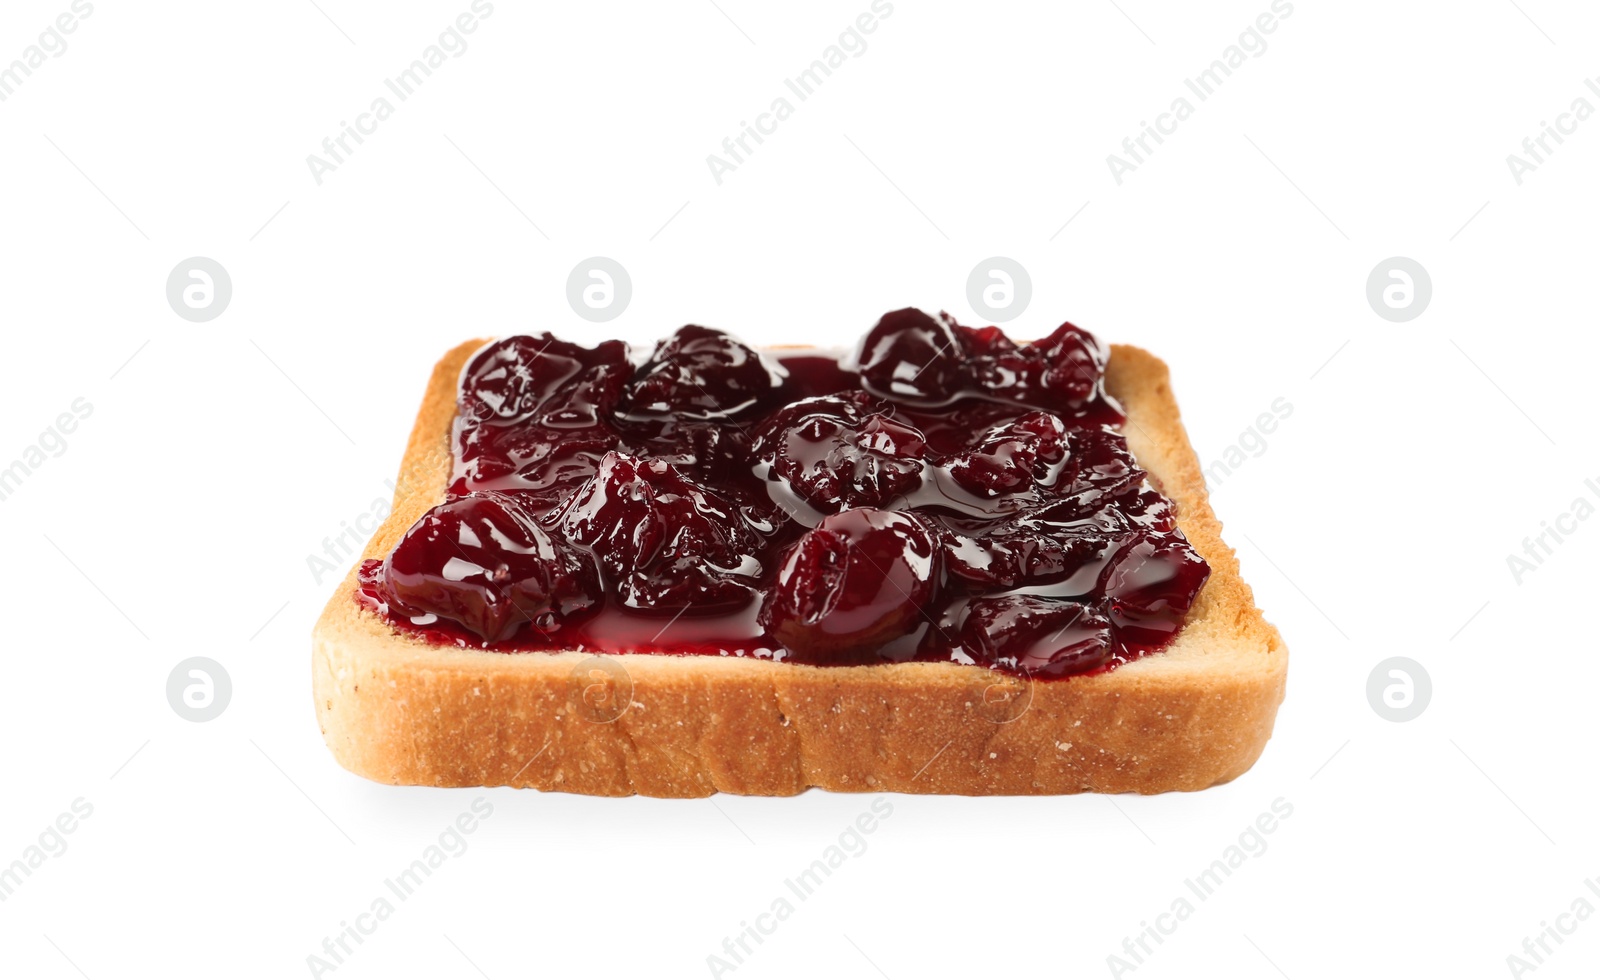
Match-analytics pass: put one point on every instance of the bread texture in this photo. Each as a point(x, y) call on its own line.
point(399, 710)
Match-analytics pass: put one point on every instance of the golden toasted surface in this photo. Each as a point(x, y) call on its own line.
point(399, 710)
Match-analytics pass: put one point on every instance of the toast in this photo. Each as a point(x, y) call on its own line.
point(397, 709)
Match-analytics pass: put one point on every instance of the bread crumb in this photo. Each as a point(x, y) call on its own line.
point(1064, 746)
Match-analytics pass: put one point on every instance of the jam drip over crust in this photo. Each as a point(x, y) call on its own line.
point(943, 494)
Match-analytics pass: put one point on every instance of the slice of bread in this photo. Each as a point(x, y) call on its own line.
point(399, 710)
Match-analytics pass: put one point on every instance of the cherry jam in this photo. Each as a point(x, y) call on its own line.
point(941, 494)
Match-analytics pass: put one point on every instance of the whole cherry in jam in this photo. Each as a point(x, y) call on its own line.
point(662, 541)
point(1150, 585)
point(702, 374)
point(541, 379)
point(535, 416)
point(1033, 635)
point(1060, 372)
point(840, 451)
point(853, 583)
point(912, 357)
point(484, 562)
point(1009, 457)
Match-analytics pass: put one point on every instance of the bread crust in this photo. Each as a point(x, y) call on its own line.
point(398, 710)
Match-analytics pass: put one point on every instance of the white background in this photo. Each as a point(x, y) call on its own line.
point(1376, 523)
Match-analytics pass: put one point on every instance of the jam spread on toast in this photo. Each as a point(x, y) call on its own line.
point(941, 494)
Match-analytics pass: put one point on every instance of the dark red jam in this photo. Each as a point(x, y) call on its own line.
point(942, 494)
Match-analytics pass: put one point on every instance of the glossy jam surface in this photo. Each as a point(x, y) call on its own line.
point(941, 494)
